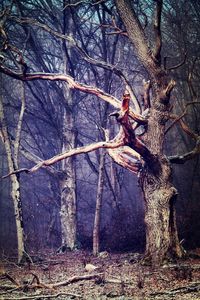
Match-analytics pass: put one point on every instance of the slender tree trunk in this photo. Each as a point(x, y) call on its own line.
point(67, 184)
point(97, 218)
point(15, 185)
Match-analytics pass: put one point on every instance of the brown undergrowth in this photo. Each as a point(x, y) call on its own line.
point(80, 275)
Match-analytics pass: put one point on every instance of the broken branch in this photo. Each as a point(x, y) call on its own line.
point(84, 54)
point(75, 85)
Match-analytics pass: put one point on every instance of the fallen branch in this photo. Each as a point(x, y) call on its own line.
point(193, 287)
point(75, 279)
point(40, 285)
point(43, 296)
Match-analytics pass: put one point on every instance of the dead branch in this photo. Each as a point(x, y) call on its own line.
point(129, 137)
point(81, 51)
point(176, 66)
point(181, 159)
point(70, 153)
point(72, 84)
point(76, 278)
point(40, 285)
point(83, 2)
point(11, 279)
point(43, 296)
point(114, 26)
point(125, 156)
point(193, 287)
point(182, 123)
point(157, 29)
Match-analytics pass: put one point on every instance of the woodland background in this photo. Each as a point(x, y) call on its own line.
point(44, 130)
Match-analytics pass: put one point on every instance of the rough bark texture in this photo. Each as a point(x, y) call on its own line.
point(67, 184)
point(159, 193)
point(161, 232)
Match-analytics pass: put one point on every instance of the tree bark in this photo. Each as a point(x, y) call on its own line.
point(162, 241)
point(156, 178)
point(67, 184)
point(97, 218)
point(15, 185)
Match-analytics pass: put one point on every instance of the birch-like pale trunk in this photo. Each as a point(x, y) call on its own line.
point(14, 179)
point(67, 183)
point(97, 218)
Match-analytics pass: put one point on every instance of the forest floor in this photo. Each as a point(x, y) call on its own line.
point(80, 275)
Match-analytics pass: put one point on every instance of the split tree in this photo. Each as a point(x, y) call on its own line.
point(139, 150)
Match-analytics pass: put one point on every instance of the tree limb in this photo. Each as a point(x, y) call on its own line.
point(85, 56)
point(70, 153)
point(72, 84)
point(182, 123)
point(157, 29)
point(176, 66)
point(137, 37)
point(181, 159)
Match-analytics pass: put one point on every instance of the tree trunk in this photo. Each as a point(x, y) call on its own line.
point(97, 218)
point(15, 185)
point(67, 184)
point(161, 231)
point(16, 198)
point(160, 195)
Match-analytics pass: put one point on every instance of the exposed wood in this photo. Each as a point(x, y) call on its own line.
point(70, 153)
point(73, 84)
point(84, 54)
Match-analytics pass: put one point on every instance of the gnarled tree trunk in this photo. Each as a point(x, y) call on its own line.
point(161, 231)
